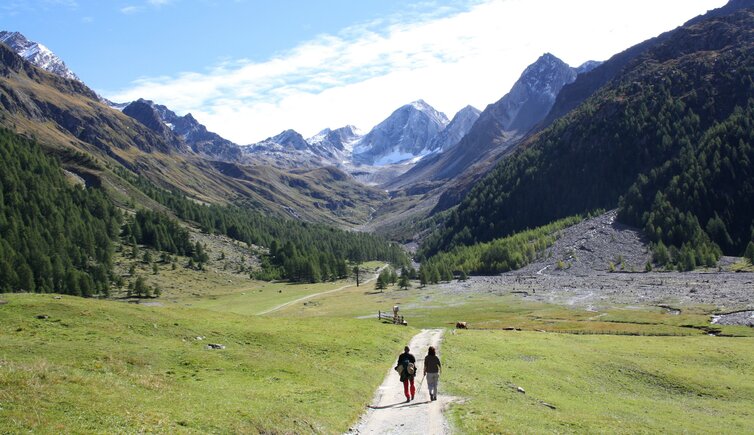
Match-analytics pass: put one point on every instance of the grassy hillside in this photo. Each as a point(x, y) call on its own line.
point(598, 384)
point(102, 365)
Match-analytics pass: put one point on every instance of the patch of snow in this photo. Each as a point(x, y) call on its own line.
point(395, 156)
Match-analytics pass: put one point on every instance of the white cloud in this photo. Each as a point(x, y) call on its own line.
point(159, 3)
point(360, 75)
point(129, 10)
point(133, 9)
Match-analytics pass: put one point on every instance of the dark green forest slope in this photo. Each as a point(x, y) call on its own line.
point(299, 251)
point(54, 237)
point(59, 237)
point(676, 121)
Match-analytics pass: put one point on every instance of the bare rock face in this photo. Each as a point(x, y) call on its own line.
point(185, 128)
point(532, 96)
point(335, 145)
point(456, 130)
point(144, 112)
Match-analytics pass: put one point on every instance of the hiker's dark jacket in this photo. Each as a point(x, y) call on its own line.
point(403, 360)
point(431, 364)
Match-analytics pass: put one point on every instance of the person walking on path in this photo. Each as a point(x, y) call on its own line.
point(407, 369)
point(432, 368)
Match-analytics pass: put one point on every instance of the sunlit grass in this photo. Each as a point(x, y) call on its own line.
point(598, 384)
point(96, 366)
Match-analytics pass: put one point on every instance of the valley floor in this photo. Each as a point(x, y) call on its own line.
point(594, 352)
point(719, 291)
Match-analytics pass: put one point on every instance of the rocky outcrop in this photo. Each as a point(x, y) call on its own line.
point(455, 131)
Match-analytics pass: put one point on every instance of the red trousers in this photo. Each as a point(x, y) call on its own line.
point(405, 387)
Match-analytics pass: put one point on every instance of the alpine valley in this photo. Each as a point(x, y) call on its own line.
point(590, 233)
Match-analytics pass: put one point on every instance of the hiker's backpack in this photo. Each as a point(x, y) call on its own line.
point(410, 368)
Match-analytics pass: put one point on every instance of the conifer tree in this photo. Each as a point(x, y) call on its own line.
point(404, 283)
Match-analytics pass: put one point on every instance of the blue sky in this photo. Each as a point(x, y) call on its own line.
point(109, 43)
point(249, 69)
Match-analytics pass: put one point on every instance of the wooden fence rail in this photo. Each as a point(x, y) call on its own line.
point(386, 315)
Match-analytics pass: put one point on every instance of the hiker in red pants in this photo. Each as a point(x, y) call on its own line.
point(407, 369)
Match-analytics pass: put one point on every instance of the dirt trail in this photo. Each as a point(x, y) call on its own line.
point(287, 304)
point(390, 414)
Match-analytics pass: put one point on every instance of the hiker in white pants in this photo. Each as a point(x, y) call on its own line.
point(432, 368)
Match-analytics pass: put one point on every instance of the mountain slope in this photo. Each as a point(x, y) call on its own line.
point(54, 236)
point(287, 150)
point(587, 84)
point(501, 124)
point(402, 136)
point(69, 119)
point(662, 104)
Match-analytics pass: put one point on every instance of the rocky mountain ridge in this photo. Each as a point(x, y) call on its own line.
point(501, 125)
point(37, 54)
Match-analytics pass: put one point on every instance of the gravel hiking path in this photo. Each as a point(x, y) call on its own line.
point(389, 412)
point(287, 304)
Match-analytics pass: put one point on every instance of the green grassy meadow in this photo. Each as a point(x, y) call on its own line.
point(599, 383)
point(434, 306)
point(102, 366)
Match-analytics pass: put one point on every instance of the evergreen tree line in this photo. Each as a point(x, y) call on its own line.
point(702, 201)
point(500, 255)
point(54, 237)
point(301, 266)
point(163, 233)
point(388, 276)
point(684, 124)
point(310, 251)
point(158, 231)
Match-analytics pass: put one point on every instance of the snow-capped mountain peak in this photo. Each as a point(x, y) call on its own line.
point(37, 54)
point(402, 136)
point(335, 142)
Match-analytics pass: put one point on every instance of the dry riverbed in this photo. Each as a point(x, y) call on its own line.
point(576, 271)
